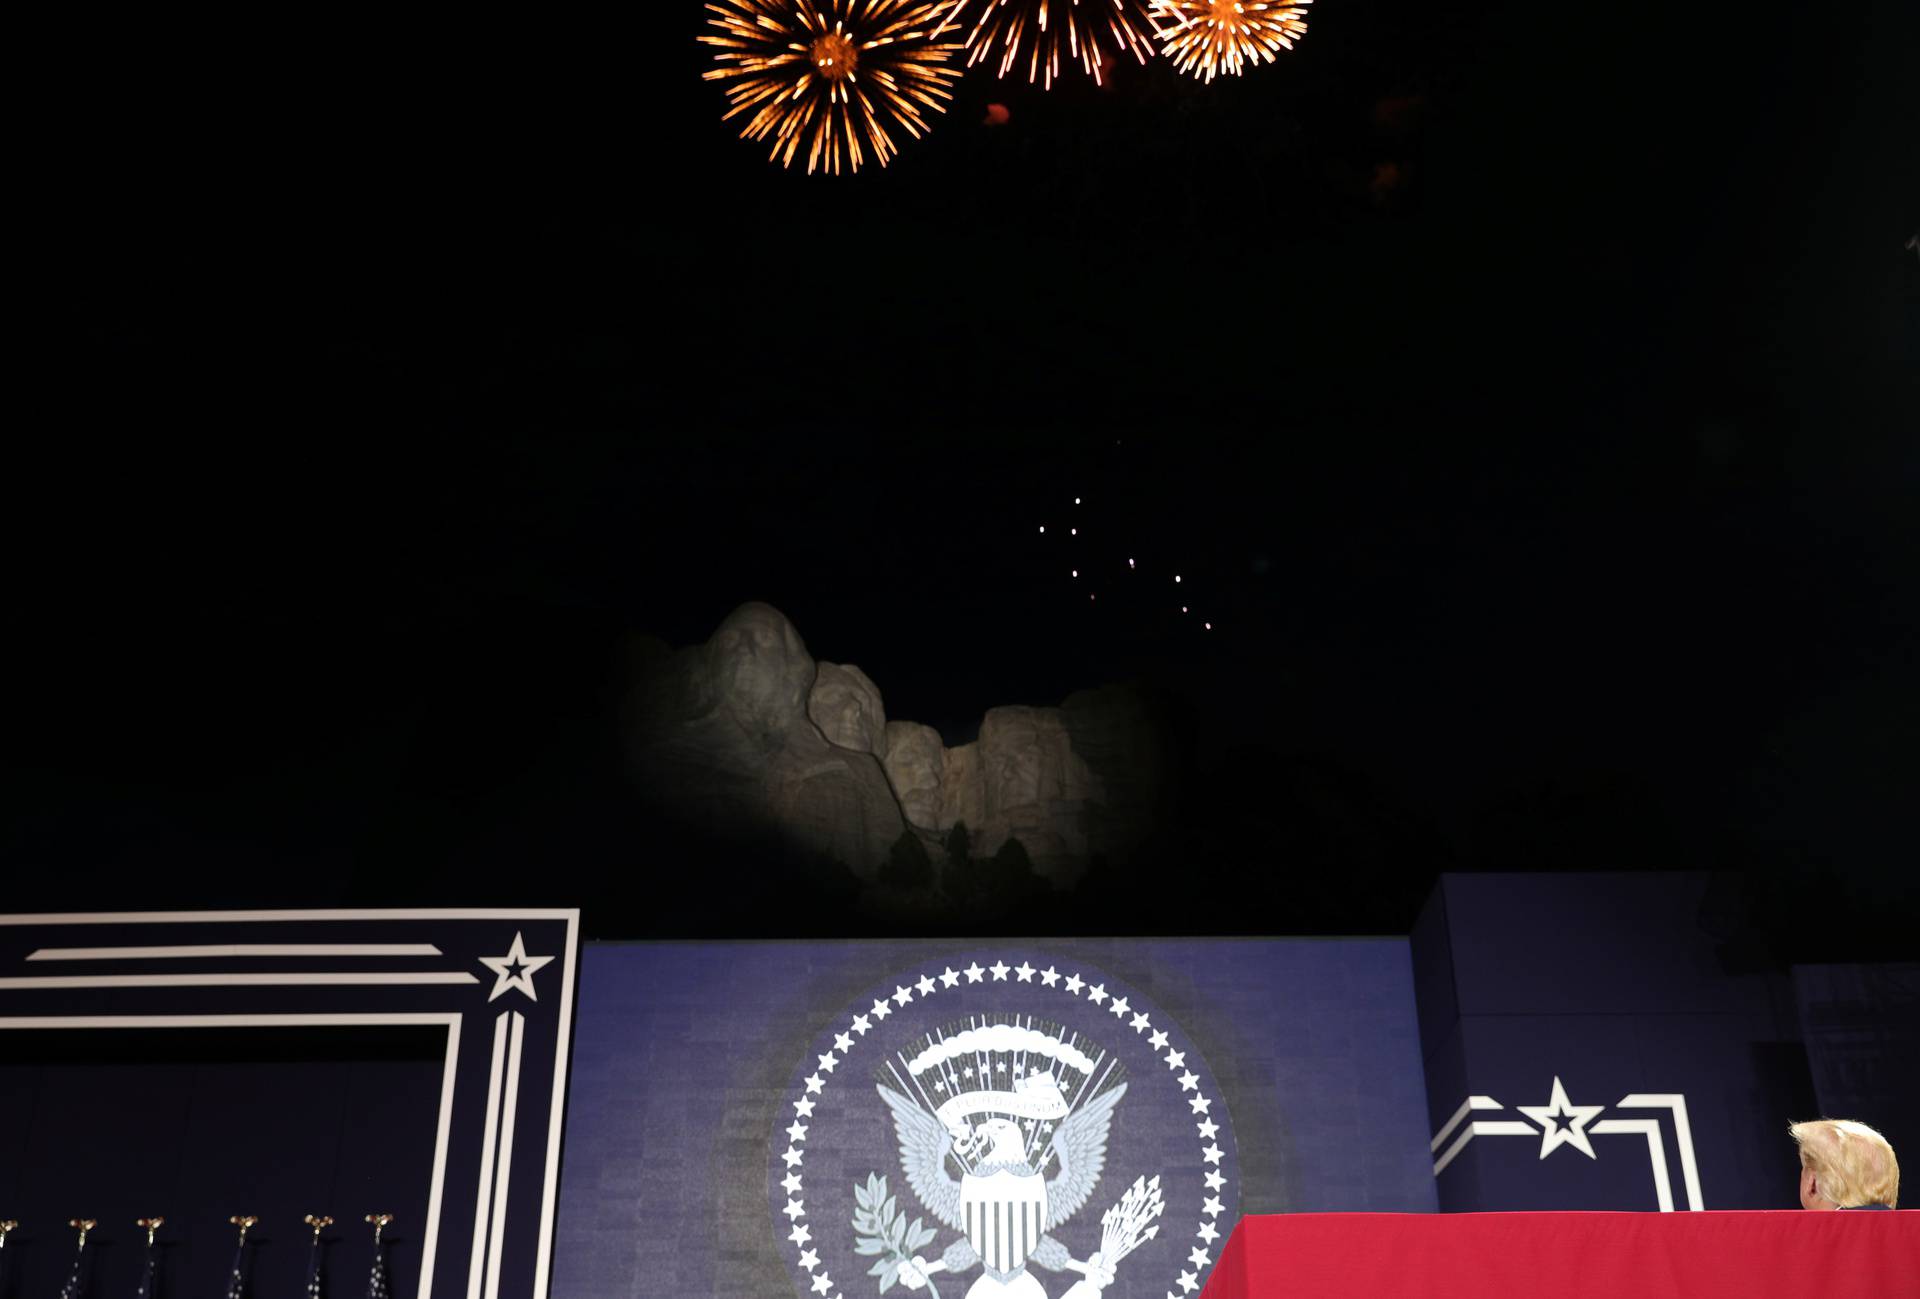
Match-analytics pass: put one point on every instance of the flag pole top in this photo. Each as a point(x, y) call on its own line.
point(150, 1225)
point(379, 1221)
point(319, 1224)
point(83, 1226)
point(245, 1224)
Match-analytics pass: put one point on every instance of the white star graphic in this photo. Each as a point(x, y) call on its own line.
point(809, 1260)
point(1188, 1283)
point(1214, 1180)
point(861, 1024)
point(1574, 1134)
point(1212, 1155)
point(822, 1283)
point(1139, 1023)
point(805, 1107)
point(1212, 1207)
point(799, 1235)
point(999, 969)
point(1175, 1059)
point(880, 1009)
point(1049, 976)
point(1158, 1040)
point(828, 1061)
point(949, 976)
point(902, 995)
point(1207, 1128)
point(795, 1209)
point(1188, 1081)
point(1198, 1257)
point(1119, 1008)
point(1208, 1233)
point(925, 985)
point(797, 1132)
point(973, 972)
point(841, 1042)
point(792, 1157)
point(514, 972)
point(792, 1183)
point(814, 1085)
point(1200, 1104)
point(1025, 971)
point(1097, 993)
point(1075, 983)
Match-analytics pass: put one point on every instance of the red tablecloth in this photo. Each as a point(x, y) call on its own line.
point(1792, 1255)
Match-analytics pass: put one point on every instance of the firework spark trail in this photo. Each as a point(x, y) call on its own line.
point(1212, 37)
point(824, 74)
point(1061, 30)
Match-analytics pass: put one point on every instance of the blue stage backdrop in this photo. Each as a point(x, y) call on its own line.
point(1590, 1045)
point(810, 1118)
point(1862, 1025)
point(199, 1065)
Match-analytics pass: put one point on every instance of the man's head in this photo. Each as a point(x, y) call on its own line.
point(1844, 1164)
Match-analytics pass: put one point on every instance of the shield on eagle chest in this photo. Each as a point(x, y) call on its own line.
point(1006, 1211)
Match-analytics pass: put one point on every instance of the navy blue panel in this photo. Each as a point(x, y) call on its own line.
point(136, 1082)
point(1738, 1090)
point(1541, 944)
point(1862, 1025)
point(1609, 985)
point(692, 1061)
point(1438, 1005)
point(200, 1125)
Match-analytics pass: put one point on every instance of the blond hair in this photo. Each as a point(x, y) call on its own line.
point(1853, 1164)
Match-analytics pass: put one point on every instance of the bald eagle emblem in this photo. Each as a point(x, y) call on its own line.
point(1002, 1130)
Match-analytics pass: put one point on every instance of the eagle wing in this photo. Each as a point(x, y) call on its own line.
point(1081, 1144)
point(923, 1157)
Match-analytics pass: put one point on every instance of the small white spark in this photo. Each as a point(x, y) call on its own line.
point(1073, 532)
point(1209, 626)
point(1176, 577)
point(1076, 572)
point(1076, 500)
point(1043, 527)
point(1129, 563)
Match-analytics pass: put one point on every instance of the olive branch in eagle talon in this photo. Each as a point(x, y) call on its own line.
point(882, 1228)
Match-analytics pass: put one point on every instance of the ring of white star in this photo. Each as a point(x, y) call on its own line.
point(925, 986)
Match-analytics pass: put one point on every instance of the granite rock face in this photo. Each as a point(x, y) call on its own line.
point(916, 768)
point(748, 732)
point(722, 737)
point(847, 709)
point(1021, 779)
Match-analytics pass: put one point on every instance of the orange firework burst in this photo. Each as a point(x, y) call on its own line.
point(1049, 29)
point(1206, 37)
point(824, 73)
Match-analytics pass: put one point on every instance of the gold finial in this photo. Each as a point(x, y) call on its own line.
point(83, 1226)
point(379, 1221)
point(150, 1225)
point(319, 1225)
point(245, 1224)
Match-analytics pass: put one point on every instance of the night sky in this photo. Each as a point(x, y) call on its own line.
point(1526, 393)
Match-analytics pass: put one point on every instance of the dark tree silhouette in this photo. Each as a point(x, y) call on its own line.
point(907, 866)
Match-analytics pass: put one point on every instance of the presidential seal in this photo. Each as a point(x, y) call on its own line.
point(1003, 1132)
